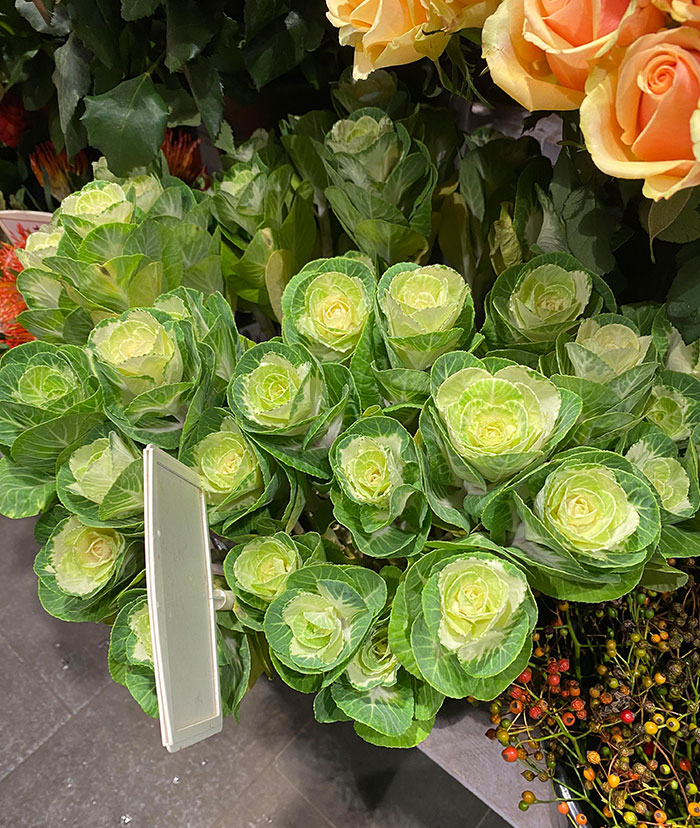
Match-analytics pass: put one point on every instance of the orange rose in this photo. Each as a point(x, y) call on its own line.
point(540, 51)
point(638, 110)
point(393, 32)
point(683, 11)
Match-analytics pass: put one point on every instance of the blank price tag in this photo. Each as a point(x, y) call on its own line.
point(180, 603)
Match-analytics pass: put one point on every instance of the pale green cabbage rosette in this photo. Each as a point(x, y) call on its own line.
point(486, 421)
point(82, 569)
point(99, 262)
point(213, 324)
point(238, 478)
point(389, 706)
point(377, 490)
point(39, 245)
point(381, 185)
point(582, 525)
point(611, 366)
point(326, 307)
point(99, 202)
point(101, 480)
point(130, 655)
point(316, 625)
point(267, 219)
point(292, 406)
point(532, 304)
point(150, 367)
point(258, 569)
point(424, 312)
point(49, 399)
point(673, 404)
point(462, 619)
point(141, 187)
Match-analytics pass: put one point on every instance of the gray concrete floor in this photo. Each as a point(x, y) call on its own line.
point(76, 750)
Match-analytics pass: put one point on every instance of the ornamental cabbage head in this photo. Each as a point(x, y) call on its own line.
point(681, 357)
point(140, 645)
point(317, 626)
point(141, 187)
point(586, 509)
point(668, 408)
point(374, 664)
point(84, 559)
point(369, 140)
point(228, 466)
point(96, 466)
point(265, 563)
point(139, 351)
point(500, 420)
point(278, 389)
point(427, 311)
point(40, 245)
point(605, 349)
point(99, 202)
point(547, 301)
point(532, 304)
point(326, 306)
point(370, 469)
point(478, 598)
point(666, 474)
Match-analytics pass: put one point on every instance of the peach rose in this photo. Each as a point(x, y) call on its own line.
point(682, 11)
point(393, 32)
point(639, 111)
point(540, 51)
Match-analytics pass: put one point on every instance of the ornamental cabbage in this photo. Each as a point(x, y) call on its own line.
point(39, 245)
point(532, 304)
point(326, 306)
point(586, 509)
point(381, 185)
point(499, 416)
point(606, 348)
point(293, 406)
point(228, 465)
point(99, 202)
point(84, 559)
point(462, 619)
point(49, 399)
point(378, 491)
point(581, 525)
point(374, 664)
point(681, 357)
point(320, 620)
point(425, 312)
point(656, 456)
point(149, 366)
point(257, 570)
point(96, 466)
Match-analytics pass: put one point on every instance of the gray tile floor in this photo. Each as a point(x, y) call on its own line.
point(75, 750)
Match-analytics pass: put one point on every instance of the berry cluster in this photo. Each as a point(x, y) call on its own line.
point(609, 706)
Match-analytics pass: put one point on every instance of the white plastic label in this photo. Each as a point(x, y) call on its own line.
point(180, 601)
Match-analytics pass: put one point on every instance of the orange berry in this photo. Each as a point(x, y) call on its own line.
point(589, 774)
point(581, 819)
point(563, 808)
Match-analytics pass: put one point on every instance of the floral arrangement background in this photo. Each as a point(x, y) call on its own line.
point(430, 378)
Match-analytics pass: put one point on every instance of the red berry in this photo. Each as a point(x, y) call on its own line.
point(684, 765)
point(553, 680)
point(648, 748)
point(564, 665)
point(515, 692)
point(627, 716)
point(535, 712)
point(525, 676)
point(553, 667)
point(577, 704)
point(510, 754)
